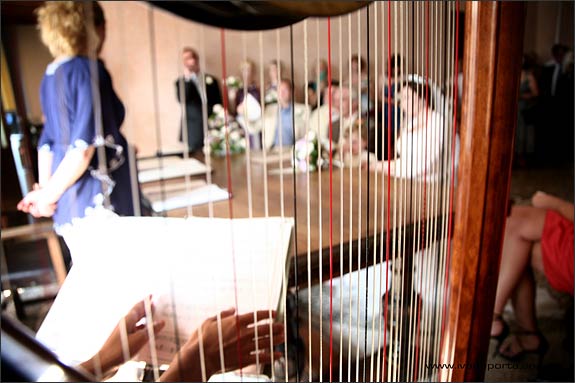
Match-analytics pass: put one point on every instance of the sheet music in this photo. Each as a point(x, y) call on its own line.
point(272, 156)
point(151, 189)
point(172, 167)
point(187, 260)
point(176, 199)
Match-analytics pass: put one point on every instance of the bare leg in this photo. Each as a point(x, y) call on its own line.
point(523, 299)
point(523, 228)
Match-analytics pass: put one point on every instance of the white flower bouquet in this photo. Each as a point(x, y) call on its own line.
point(233, 82)
point(307, 153)
point(220, 133)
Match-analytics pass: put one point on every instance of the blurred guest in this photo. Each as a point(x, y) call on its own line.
point(423, 122)
point(274, 70)
point(191, 88)
point(359, 76)
point(282, 123)
point(525, 133)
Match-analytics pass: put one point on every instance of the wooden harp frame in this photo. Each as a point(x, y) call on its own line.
point(493, 48)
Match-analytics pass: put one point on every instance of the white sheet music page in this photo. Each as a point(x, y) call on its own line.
point(187, 264)
point(155, 169)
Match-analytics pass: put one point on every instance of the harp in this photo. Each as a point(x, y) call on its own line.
point(492, 47)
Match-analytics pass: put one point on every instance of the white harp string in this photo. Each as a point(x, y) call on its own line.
point(359, 202)
point(375, 210)
point(350, 253)
point(282, 202)
point(308, 200)
point(133, 183)
point(147, 300)
point(249, 176)
point(341, 197)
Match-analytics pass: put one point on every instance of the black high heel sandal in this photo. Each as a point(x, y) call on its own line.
point(540, 350)
point(503, 334)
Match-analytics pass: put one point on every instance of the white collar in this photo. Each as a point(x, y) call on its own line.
point(54, 65)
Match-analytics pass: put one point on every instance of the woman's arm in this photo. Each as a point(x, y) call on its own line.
point(73, 165)
point(45, 158)
point(42, 202)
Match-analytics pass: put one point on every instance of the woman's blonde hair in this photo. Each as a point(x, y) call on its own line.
point(67, 27)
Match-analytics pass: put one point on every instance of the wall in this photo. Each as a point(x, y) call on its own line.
point(541, 26)
point(145, 79)
point(144, 71)
point(33, 57)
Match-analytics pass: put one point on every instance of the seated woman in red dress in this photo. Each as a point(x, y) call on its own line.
point(538, 237)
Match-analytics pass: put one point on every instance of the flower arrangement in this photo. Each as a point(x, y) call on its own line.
point(271, 95)
point(307, 153)
point(219, 132)
point(233, 82)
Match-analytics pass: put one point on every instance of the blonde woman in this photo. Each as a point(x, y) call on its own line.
point(68, 181)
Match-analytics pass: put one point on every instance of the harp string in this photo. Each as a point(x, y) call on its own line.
point(452, 161)
point(262, 101)
point(409, 283)
point(320, 204)
point(359, 201)
point(447, 62)
point(438, 238)
point(330, 202)
point(249, 182)
point(147, 300)
point(207, 158)
point(350, 254)
point(380, 314)
point(387, 239)
point(308, 202)
point(184, 122)
point(418, 212)
point(294, 170)
point(367, 125)
point(423, 217)
point(341, 197)
point(446, 22)
point(279, 133)
point(403, 191)
point(133, 169)
point(248, 144)
point(376, 138)
point(432, 197)
point(230, 209)
point(450, 63)
point(393, 304)
point(135, 197)
point(265, 173)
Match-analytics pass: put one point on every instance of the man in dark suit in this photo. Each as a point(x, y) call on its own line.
point(189, 93)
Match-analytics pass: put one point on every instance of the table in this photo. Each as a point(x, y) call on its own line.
point(311, 242)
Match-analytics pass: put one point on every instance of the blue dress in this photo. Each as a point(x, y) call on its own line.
point(68, 107)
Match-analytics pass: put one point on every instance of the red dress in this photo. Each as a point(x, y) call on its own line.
point(557, 247)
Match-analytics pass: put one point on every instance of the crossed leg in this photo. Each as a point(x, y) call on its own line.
point(521, 254)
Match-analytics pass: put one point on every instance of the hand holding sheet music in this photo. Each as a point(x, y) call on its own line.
point(188, 266)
